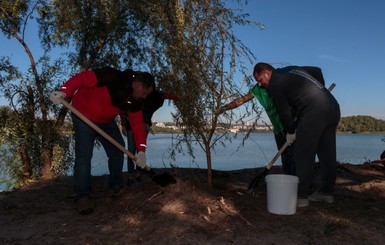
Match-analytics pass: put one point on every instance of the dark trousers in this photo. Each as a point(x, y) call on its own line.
point(316, 136)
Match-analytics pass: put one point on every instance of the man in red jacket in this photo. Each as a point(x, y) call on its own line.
point(101, 95)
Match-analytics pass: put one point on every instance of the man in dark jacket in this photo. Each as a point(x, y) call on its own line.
point(100, 95)
point(151, 104)
point(264, 99)
point(314, 128)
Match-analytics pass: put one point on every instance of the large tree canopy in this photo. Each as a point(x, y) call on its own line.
point(189, 45)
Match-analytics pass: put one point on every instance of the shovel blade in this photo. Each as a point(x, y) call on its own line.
point(164, 179)
point(256, 180)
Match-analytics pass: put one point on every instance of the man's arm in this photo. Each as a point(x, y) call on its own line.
point(82, 79)
point(237, 102)
point(138, 129)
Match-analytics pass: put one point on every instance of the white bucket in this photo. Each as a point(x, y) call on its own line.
point(281, 193)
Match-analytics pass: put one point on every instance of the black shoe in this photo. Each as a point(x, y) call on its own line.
point(131, 182)
point(84, 206)
point(135, 178)
point(117, 192)
point(302, 202)
point(139, 178)
point(321, 197)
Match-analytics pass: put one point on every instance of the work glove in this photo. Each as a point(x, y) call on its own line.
point(290, 138)
point(56, 97)
point(141, 159)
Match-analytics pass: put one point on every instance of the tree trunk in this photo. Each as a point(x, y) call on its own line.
point(46, 167)
point(26, 161)
point(209, 165)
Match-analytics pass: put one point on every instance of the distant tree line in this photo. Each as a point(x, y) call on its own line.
point(351, 124)
point(361, 124)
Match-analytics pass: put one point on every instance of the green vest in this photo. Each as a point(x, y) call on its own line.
point(267, 103)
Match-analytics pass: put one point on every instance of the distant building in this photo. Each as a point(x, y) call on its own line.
point(263, 127)
point(232, 129)
point(160, 125)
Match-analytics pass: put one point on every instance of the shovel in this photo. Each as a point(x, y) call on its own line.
point(161, 179)
point(257, 179)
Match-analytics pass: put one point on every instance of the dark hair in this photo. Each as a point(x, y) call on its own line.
point(260, 67)
point(145, 78)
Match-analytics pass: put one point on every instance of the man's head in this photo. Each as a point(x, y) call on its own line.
point(262, 74)
point(142, 85)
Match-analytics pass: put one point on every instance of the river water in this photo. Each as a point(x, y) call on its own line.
point(257, 151)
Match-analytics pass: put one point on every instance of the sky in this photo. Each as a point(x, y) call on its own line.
point(345, 38)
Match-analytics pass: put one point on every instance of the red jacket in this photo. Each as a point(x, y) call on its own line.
point(94, 102)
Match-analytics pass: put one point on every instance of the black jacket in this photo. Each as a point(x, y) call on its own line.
point(151, 104)
point(294, 92)
point(119, 85)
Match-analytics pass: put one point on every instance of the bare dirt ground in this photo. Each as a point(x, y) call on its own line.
point(189, 212)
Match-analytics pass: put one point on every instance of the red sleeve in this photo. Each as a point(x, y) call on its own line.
point(170, 97)
point(82, 79)
point(138, 130)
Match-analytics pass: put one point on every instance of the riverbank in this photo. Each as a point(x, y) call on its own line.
point(190, 212)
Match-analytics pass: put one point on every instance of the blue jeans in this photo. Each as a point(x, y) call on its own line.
point(84, 145)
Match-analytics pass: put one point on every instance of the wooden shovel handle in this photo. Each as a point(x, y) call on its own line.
point(331, 87)
point(276, 156)
point(97, 129)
